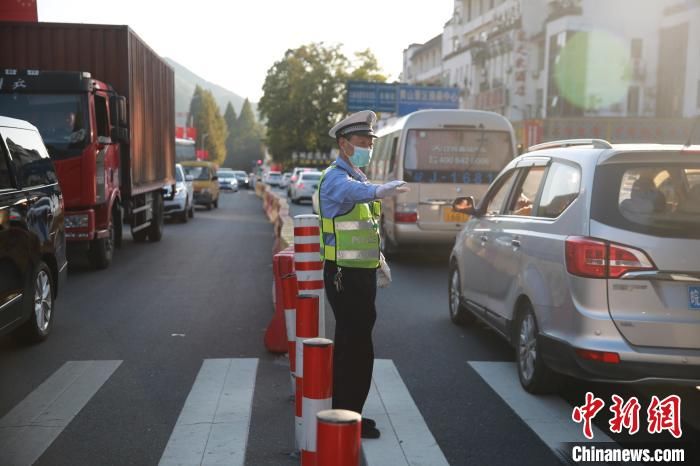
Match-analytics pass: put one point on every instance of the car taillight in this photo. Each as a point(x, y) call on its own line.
point(406, 217)
point(599, 356)
point(594, 258)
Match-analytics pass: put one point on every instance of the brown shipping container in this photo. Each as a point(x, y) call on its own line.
point(117, 56)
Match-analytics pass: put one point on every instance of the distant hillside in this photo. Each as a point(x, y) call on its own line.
point(185, 82)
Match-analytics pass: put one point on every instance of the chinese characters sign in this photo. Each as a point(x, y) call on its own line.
point(398, 98)
point(661, 415)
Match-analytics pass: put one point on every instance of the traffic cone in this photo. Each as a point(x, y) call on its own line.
point(318, 391)
point(338, 438)
point(289, 300)
point(276, 335)
point(306, 327)
point(308, 264)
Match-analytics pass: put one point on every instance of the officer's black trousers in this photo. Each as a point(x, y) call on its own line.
point(353, 357)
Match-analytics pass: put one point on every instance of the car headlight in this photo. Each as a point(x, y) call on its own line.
point(77, 221)
point(181, 191)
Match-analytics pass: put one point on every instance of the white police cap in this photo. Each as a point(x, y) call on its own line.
point(357, 123)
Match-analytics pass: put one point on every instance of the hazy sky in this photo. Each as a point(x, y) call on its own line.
point(247, 37)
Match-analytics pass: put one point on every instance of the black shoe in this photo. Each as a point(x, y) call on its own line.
point(369, 421)
point(369, 432)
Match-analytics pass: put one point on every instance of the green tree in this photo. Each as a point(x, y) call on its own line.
point(246, 136)
point(304, 95)
point(211, 127)
point(231, 119)
point(366, 67)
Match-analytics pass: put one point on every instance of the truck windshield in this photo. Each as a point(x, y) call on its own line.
point(62, 119)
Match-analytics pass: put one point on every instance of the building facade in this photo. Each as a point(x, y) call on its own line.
point(573, 68)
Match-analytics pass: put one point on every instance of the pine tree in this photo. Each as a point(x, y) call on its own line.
point(211, 127)
point(231, 121)
point(247, 141)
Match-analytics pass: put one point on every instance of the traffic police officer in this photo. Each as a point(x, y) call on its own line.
point(350, 249)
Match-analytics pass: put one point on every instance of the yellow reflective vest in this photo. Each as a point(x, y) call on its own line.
point(356, 234)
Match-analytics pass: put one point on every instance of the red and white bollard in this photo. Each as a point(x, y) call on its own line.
point(338, 438)
point(308, 264)
point(289, 299)
point(306, 327)
point(318, 391)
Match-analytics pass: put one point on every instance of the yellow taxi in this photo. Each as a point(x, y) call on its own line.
point(205, 182)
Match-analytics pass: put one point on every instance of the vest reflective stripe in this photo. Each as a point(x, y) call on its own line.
point(345, 226)
point(356, 235)
point(367, 254)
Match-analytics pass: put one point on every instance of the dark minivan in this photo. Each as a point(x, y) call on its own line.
point(33, 264)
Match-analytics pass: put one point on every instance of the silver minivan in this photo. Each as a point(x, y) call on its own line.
point(586, 257)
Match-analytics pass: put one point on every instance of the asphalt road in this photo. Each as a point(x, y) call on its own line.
point(204, 292)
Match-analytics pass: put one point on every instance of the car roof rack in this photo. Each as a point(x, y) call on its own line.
point(596, 143)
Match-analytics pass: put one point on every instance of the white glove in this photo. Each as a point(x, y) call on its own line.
point(383, 273)
point(392, 188)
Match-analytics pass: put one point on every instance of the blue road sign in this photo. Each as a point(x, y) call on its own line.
point(363, 95)
point(412, 98)
point(398, 98)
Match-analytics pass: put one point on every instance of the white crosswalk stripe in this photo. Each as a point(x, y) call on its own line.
point(405, 439)
point(31, 426)
point(213, 425)
point(548, 416)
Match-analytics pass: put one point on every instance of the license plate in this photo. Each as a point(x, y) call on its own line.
point(694, 297)
point(449, 215)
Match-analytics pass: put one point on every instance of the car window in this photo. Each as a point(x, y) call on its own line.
point(32, 164)
point(649, 198)
point(524, 200)
point(178, 174)
point(560, 189)
point(311, 176)
point(498, 195)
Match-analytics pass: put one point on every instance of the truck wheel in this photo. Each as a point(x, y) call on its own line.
point(216, 203)
point(39, 304)
point(139, 236)
point(155, 230)
point(209, 205)
point(190, 213)
point(102, 249)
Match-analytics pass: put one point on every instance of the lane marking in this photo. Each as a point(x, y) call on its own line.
point(214, 422)
point(32, 426)
point(405, 439)
point(547, 416)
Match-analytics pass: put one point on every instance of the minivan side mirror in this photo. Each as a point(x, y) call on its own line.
point(465, 205)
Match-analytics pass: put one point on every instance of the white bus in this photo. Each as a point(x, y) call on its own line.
point(441, 154)
point(185, 150)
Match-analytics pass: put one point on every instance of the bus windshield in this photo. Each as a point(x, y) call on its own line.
point(455, 155)
point(62, 119)
point(185, 150)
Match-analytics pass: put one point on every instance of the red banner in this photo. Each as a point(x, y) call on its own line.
point(185, 132)
point(202, 154)
point(18, 10)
